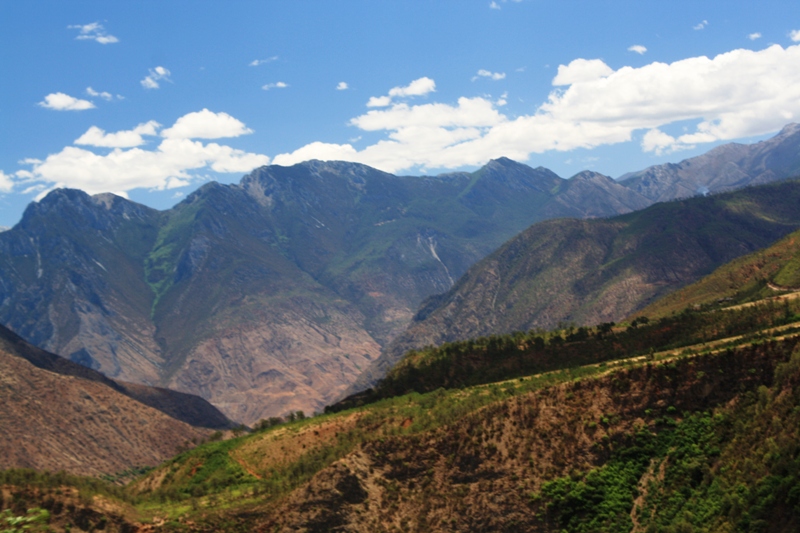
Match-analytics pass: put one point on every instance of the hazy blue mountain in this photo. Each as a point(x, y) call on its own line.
point(727, 167)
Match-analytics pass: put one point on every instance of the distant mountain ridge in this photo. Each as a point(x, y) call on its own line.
point(273, 294)
point(727, 167)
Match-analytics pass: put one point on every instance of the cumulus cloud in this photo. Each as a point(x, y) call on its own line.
point(700, 25)
point(482, 73)
point(741, 93)
point(104, 95)
point(95, 136)
point(206, 124)
point(418, 87)
point(65, 102)
point(6, 182)
point(754, 36)
point(581, 71)
point(93, 32)
point(342, 86)
point(127, 166)
point(276, 85)
point(156, 75)
point(638, 48)
point(794, 35)
point(257, 62)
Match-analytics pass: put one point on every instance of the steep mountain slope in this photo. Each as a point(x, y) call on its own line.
point(73, 419)
point(592, 271)
point(187, 408)
point(773, 272)
point(274, 294)
point(727, 167)
point(704, 440)
point(578, 457)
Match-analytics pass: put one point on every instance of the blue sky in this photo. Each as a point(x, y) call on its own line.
point(152, 99)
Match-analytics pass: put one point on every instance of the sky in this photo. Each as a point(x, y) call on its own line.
point(151, 99)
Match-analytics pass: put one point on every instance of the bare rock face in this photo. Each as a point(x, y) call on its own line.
point(289, 362)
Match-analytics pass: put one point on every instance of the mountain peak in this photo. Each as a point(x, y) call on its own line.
point(590, 175)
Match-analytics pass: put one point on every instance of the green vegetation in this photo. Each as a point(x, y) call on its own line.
point(737, 469)
point(743, 280)
point(499, 357)
point(34, 520)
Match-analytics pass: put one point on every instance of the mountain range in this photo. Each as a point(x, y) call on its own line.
point(274, 294)
point(270, 295)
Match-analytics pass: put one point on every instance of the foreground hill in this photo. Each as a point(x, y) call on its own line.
point(58, 415)
point(273, 294)
point(700, 433)
point(592, 271)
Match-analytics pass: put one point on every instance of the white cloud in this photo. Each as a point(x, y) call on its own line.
point(494, 5)
point(418, 87)
point(276, 85)
point(104, 95)
point(659, 142)
point(379, 101)
point(6, 182)
point(794, 35)
point(700, 26)
point(156, 74)
point(65, 102)
point(93, 32)
point(581, 71)
point(638, 48)
point(95, 136)
point(342, 86)
point(257, 62)
point(741, 93)
point(206, 124)
point(482, 73)
point(754, 36)
point(503, 100)
point(167, 166)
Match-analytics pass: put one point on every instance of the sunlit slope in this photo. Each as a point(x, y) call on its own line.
point(496, 457)
point(69, 418)
point(771, 272)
